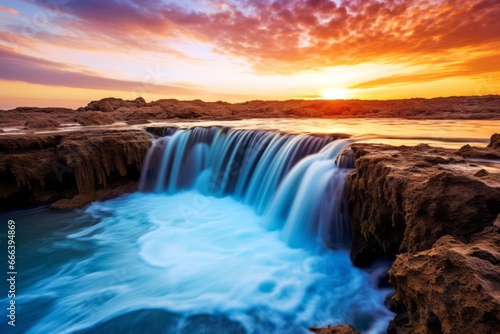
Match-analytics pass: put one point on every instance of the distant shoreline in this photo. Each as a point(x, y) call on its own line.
point(112, 110)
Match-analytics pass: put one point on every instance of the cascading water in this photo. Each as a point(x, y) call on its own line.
point(232, 232)
point(293, 180)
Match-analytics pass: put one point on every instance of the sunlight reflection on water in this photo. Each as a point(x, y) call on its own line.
point(443, 133)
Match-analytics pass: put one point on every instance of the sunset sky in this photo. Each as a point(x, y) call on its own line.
point(68, 52)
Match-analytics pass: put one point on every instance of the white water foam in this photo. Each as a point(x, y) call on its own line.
point(189, 254)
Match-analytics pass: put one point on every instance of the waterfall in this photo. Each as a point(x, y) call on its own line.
point(231, 233)
point(296, 181)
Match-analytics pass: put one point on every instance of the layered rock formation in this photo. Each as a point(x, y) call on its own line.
point(435, 211)
point(74, 168)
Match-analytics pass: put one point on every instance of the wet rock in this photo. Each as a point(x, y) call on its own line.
point(440, 222)
point(339, 329)
point(100, 195)
point(73, 203)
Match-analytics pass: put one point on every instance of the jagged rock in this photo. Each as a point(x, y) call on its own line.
point(482, 173)
point(451, 288)
point(397, 207)
point(104, 105)
point(339, 329)
point(41, 123)
point(75, 202)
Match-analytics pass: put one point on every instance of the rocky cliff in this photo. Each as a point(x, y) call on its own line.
point(69, 169)
point(434, 211)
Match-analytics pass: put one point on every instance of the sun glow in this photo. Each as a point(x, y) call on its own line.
point(335, 94)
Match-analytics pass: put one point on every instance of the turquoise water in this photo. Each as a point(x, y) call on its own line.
point(231, 232)
point(183, 263)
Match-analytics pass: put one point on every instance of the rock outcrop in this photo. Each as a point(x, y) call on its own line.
point(403, 199)
point(436, 212)
point(75, 167)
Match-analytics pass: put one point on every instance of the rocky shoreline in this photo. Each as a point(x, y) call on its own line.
point(431, 210)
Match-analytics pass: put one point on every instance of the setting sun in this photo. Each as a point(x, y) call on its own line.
point(335, 94)
point(242, 51)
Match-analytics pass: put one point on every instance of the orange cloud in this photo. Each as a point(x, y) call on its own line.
point(295, 34)
point(292, 35)
point(441, 38)
point(9, 10)
point(472, 67)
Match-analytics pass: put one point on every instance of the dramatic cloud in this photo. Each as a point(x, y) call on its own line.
point(292, 35)
point(18, 67)
point(255, 48)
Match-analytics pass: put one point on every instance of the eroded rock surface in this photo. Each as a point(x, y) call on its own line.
point(451, 288)
point(75, 167)
point(403, 199)
point(437, 212)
